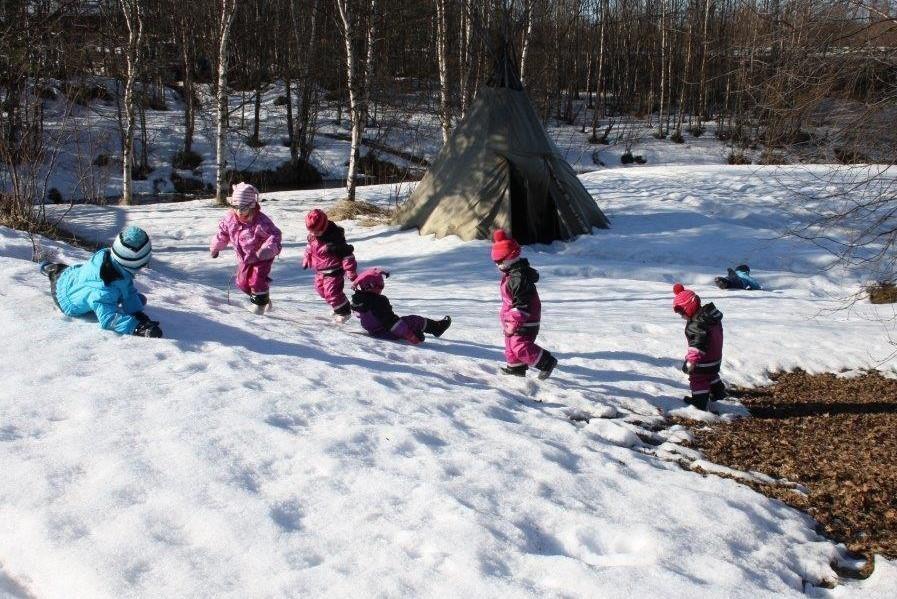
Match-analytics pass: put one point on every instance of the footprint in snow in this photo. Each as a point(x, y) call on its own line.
point(287, 422)
point(288, 515)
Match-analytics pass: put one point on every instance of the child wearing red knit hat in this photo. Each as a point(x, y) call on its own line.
point(521, 310)
point(704, 333)
point(332, 259)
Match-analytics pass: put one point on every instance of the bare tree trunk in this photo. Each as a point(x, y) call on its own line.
point(189, 96)
point(143, 166)
point(133, 13)
point(226, 19)
point(256, 114)
point(303, 138)
point(702, 89)
point(684, 85)
point(599, 80)
point(464, 59)
point(527, 33)
point(663, 66)
point(357, 70)
point(367, 84)
point(291, 130)
point(445, 106)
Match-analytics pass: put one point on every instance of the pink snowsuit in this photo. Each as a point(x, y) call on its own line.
point(521, 310)
point(331, 258)
point(704, 333)
point(256, 244)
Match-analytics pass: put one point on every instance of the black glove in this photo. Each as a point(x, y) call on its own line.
point(685, 367)
point(148, 328)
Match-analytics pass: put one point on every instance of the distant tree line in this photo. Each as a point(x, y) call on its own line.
point(768, 72)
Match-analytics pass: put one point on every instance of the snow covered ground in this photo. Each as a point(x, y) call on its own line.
point(245, 456)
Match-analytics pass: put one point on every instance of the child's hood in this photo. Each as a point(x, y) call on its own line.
point(709, 315)
point(522, 268)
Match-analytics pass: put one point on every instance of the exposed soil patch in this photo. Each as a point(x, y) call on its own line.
point(835, 436)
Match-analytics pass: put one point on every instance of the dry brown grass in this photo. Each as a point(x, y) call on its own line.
point(837, 437)
point(367, 215)
point(882, 293)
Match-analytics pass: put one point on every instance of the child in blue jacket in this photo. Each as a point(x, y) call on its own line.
point(104, 285)
point(738, 278)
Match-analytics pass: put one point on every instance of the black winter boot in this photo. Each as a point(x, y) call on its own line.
point(519, 370)
point(52, 270)
point(698, 400)
point(718, 391)
point(546, 365)
point(437, 327)
point(259, 303)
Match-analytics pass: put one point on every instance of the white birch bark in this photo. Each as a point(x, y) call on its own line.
point(528, 15)
point(133, 13)
point(226, 19)
point(445, 108)
point(358, 74)
point(663, 65)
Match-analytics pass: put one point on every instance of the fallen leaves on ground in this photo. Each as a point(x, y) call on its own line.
point(836, 436)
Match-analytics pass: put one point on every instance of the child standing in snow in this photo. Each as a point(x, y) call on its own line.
point(520, 310)
point(256, 243)
point(377, 317)
point(704, 333)
point(104, 285)
point(331, 258)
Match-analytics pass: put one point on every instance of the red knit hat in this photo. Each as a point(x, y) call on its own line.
point(503, 247)
point(686, 300)
point(316, 221)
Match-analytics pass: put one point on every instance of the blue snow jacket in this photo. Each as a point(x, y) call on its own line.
point(746, 280)
point(103, 287)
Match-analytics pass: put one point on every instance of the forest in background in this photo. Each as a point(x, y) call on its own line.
point(814, 78)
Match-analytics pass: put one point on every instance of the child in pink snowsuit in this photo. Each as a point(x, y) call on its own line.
point(331, 258)
point(521, 310)
point(377, 317)
point(704, 333)
point(256, 243)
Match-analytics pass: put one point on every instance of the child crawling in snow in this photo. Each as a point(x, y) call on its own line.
point(104, 285)
point(332, 259)
point(704, 333)
point(738, 278)
point(521, 310)
point(256, 243)
point(377, 317)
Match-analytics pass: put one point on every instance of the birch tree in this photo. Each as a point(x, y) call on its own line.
point(445, 106)
point(357, 21)
point(132, 11)
point(227, 9)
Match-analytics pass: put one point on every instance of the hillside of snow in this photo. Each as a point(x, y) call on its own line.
point(281, 456)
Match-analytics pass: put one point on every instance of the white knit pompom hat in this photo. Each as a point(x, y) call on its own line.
point(132, 248)
point(243, 196)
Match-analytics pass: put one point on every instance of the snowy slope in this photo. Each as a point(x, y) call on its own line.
point(282, 457)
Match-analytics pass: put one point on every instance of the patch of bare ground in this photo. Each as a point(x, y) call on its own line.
point(835, 436)
point(367, 214)
point(882, 293)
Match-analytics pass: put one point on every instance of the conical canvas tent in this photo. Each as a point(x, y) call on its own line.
point(500, 170)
